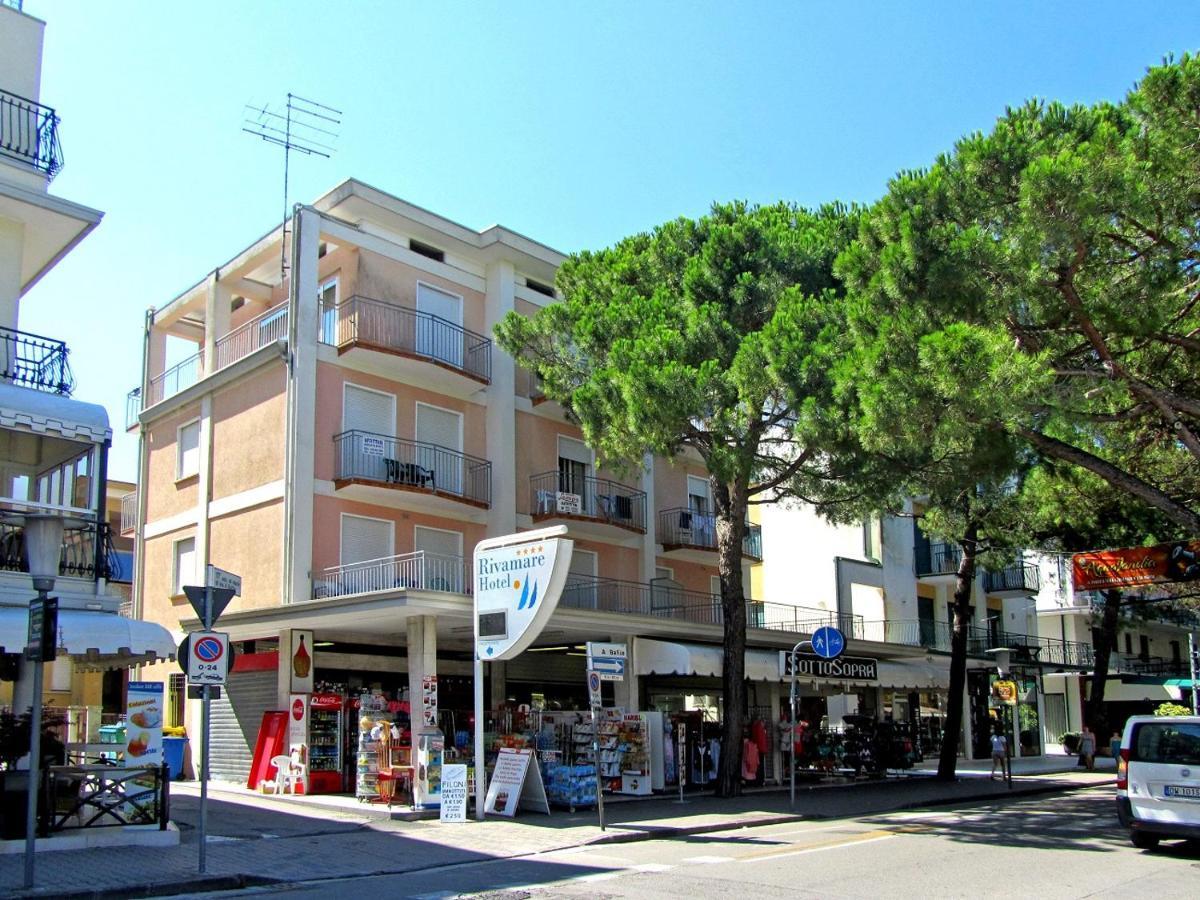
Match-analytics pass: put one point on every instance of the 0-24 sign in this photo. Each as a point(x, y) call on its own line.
point(207, 657)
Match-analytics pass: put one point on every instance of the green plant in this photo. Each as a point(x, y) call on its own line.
point(1070, 741)
point(14, 737)
point(1172, 709)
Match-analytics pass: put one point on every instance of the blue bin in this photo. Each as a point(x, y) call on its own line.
point(173, 748)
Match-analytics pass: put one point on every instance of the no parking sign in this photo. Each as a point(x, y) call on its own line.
point(207, 657)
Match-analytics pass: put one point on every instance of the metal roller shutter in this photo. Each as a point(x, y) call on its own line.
point(236, 718)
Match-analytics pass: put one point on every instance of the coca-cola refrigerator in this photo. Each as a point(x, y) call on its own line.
point(325, 738)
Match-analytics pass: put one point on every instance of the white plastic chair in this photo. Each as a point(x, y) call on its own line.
point(290, 771)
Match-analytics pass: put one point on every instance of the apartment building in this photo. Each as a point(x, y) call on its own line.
point(53, 448)
point(1150, 665)
point(892, 585)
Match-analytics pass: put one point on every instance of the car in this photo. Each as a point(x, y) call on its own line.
point(1158, 779)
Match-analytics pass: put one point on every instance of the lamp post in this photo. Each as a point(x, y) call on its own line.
point(43, 550)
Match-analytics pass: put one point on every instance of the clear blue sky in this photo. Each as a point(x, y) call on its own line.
point(573, 123)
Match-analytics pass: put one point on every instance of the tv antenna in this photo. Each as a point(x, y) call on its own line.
point(303, 125)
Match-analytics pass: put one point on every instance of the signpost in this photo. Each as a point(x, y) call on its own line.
point(828, 643)
point(206, 652)
point(593, 678)
point(518, 580)
point(608, 660)
point(832, 645)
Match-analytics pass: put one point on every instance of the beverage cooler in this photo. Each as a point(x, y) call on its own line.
point(325, 740)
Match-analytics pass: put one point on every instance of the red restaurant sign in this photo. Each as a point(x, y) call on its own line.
point(1131, 566)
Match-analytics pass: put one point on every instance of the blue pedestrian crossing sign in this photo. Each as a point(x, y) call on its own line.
point(828, 642)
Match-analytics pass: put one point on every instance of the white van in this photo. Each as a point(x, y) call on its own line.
point(1158, 779)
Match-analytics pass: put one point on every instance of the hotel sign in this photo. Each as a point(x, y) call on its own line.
point(518, 580)
point(1132, 566)
point(843, 668)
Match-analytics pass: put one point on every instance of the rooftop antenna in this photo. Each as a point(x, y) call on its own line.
point(305, 126)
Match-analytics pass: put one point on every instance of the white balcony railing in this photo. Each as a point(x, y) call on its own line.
point(418, 571)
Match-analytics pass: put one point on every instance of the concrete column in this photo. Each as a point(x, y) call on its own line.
point(302, 398)
point(501, 424)
point(422, 661)
point(625, 692)
point(156, 362)
point(216, 319)
point(968, 742)
point(12, 243)
point(649, 550)
point(774, 695)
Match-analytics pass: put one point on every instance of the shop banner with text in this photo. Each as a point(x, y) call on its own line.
point(143, 724)
point(1133, 566)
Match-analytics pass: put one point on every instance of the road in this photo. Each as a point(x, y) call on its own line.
point(1049, 846)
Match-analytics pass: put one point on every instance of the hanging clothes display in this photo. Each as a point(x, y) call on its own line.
point(749, 760)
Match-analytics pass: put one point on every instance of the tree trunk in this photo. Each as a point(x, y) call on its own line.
point(963, 587)
point(730, 502)
point(1104, 642)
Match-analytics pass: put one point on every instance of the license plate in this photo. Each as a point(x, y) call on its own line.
point(1184, 791)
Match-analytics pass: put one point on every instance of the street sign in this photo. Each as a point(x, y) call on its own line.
point(41, 644)
point(220, 600)
point(593, 687)
point(219, 578)
point(207, 657)
point(596, 650)
point(609, 669)
point(828, 642)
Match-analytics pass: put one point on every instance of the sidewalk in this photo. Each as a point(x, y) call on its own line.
point(366, 845)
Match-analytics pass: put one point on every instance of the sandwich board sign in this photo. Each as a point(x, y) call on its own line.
point(515, 782)
point(454, 793)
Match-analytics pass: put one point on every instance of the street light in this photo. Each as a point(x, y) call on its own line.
point(43, 549)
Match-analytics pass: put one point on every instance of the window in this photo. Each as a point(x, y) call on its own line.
point(443, 563)
point(582, 589)
point(188, 462)
point(426, 250)
point(1176, 652)
point(872, 540)
point(176, 692)
point(1143, 646)
point(539, 287)
point(439, 447)
point(1128, 644)
point(434, 339)
point(574, 467)
point(1173, 743)
point(184, 570)
point(699, 499)
point(327, 300)
point(365, 540)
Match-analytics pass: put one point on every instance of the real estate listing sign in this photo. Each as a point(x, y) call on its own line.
point(1132, 566)
point(518, 580)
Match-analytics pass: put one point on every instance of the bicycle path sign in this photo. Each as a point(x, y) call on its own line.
point(828, 642)
point(208, 657)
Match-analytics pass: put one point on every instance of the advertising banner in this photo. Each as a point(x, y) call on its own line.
point(429, 700)
point(1132, 566)
point(454, 793)
point(300, 662)
point(144, 721)
point(518, 580)
point(297, 720)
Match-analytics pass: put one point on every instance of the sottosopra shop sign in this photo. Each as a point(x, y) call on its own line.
point(518, 580)
point(844, 668)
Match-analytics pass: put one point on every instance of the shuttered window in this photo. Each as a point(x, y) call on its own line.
point(443, 566)
point(185, 565)
point(369, 411)
point(439, 436)
point(189, 450)
point(433, 338)
point(364, 539)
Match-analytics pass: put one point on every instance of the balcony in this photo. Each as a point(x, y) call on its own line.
point(418, 571)
point(1016, 580)
point(129, 514)
point(1024, 648)
point(33, 361)
point(29, 133)
point(683, 529)
point(936, 558)
point(362, 457)
point(361, 322)
point(554, 495)
point(666, 600)
point(87, 551)
point(1149, 665)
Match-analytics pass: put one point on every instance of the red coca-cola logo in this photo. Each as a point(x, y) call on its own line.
point(297, 709)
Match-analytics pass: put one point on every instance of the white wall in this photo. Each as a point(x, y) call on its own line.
point(20, 53)
point(798, 556)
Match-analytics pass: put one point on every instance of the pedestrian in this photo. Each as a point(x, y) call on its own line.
point(999, 753)
point(1087, 748)
point(1114, 745)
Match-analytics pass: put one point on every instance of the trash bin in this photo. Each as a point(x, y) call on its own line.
point(173, 748)
point(113, 734)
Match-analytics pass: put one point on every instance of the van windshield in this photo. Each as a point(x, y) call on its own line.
point(1167, 742)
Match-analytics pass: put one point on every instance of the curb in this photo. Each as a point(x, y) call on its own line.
point(201, 883)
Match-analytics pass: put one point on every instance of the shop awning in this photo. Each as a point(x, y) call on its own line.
point(913, 675)
point(671, 658)
point(93, 640)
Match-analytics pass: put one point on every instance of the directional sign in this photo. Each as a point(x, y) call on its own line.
point(220, 600)
point(594, 687)
point(609, 669)
point(207, 657)
point(828, 642)
point(219, 578)
point(596, 650)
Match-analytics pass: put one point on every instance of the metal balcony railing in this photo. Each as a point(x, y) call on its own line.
point(29, 133)
point(175, 379)
point(87, 551)
point(129, 513)
point(362, 321)
point(418, 571)
point(365, 456)
point(681, 527)
point(557, 493)
point(1025, 648)
point(260, 331)
point(133, 407)
point(1016, 577)
point(936, 558)
point(33, 361)
point(1148, 665)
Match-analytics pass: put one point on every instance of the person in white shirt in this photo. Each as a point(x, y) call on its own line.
point(999, 753)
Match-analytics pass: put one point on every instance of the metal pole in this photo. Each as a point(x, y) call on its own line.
point(791, 738)
point(204, 745)
point(480, 769)
point(596, 755)
point(1194, 653)
point(35, 764)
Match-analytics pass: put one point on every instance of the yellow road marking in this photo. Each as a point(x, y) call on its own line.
point(847, 841)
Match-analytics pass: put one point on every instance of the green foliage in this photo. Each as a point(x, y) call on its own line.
point(1172, 709)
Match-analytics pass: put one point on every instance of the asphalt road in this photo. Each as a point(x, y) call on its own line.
point(1049, 847)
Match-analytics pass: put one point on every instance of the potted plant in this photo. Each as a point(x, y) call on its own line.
point(1070, 743)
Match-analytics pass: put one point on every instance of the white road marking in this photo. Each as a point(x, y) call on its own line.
point(600, 876)
point(436, 895)
point(651, 867)
point(707, 860)
point(840, 846)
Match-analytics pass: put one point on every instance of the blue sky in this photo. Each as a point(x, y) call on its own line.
point(573, 123)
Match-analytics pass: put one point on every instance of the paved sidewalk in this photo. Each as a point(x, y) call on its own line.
point(320, 840)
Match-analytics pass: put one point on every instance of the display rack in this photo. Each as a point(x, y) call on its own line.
point(324, 740)
point(611, 750)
